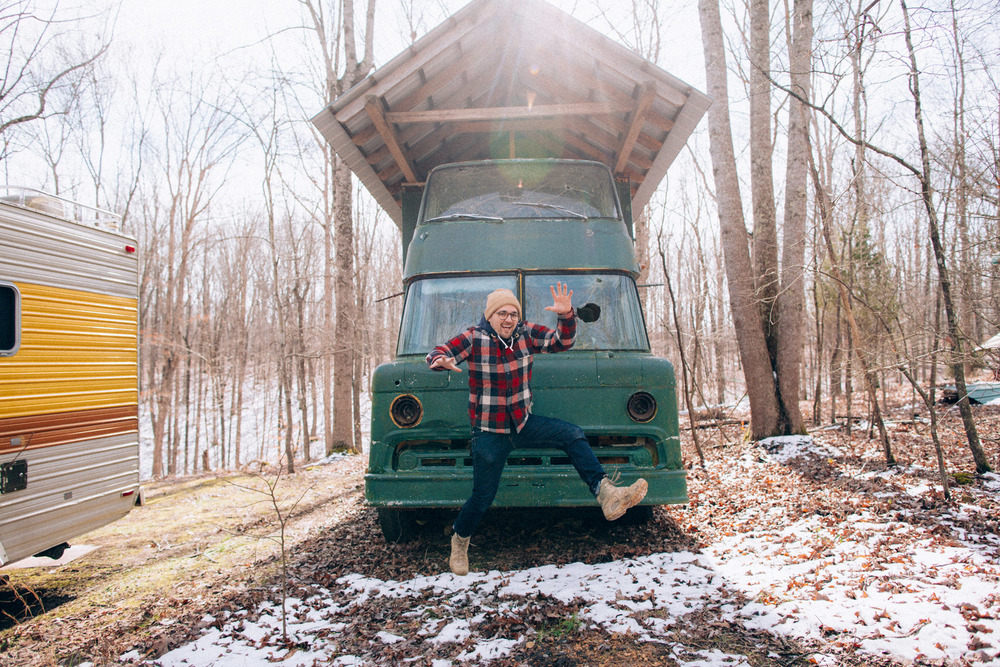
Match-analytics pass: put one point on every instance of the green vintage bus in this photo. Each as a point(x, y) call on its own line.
point(523, 224)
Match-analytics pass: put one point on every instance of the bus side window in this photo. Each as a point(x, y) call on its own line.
point(10, 320)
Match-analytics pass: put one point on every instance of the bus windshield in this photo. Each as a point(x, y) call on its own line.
point(607, 307)
point(507, 189)
point(438, 308)
point(608, 313)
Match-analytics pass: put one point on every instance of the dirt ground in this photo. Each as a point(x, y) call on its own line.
point(203, 545)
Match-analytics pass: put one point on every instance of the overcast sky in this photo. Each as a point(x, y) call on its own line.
point(211, 27)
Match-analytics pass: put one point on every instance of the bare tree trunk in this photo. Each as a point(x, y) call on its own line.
point(791, 305)
point(343, 344)
point(765, 226)
point(641, 224)
point(944, 279)
point(965, 271)
point(328, 323)
point(195, 459)
point(764, 408)
point(284, 376)
point(354, 69)
point(187, 410)
point(820, 311)
point(684, 366)
point(300, 366)
point(836, 372)
point(717, 320)
point(822, 200)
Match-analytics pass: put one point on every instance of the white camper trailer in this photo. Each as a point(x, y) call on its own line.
point(69, 426)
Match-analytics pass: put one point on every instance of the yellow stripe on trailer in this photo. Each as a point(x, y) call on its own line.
point(78, 350)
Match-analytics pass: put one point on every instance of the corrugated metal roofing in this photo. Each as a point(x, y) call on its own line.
point(511, 78)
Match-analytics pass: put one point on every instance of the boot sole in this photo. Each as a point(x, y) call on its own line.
point(618, 511)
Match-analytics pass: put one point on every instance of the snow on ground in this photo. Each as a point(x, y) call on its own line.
point(872, 583)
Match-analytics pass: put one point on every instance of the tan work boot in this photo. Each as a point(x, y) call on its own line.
point(615, 500)
point(459, 561)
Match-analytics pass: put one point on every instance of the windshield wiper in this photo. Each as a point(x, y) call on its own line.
point(555, 207)
point(465, 216)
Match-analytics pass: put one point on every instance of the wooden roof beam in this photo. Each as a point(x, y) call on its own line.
point(504, 113)
point(648, 93)
point(375, 108)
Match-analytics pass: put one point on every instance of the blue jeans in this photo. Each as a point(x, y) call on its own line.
point(489, 454)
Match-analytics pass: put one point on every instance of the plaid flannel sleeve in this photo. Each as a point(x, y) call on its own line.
point(543, 339)
point(459, 348)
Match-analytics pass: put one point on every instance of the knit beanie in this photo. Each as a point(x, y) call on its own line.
point(499, 298)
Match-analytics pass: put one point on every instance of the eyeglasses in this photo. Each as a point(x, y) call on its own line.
point(506, 315)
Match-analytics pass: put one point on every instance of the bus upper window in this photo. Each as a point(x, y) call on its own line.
point(10, 320)
point(520, 189)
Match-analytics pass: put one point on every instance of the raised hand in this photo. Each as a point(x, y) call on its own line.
point(562, 299)
point(448, 363)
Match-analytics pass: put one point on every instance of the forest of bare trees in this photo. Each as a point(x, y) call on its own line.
point(830, 233)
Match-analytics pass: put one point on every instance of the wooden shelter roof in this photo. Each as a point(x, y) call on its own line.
point(511, 78)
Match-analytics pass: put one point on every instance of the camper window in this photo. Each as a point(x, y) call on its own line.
point(10, 319)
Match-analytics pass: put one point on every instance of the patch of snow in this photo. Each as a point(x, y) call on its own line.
point(455, 632)
point(868, 581)
point(348, 661)
point(333, 458)
point(810, 582)
point(713, 658)
point(783, 449)
point(490, 649)
point(991, 481)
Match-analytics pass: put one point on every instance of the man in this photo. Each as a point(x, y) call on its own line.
point(499, 352)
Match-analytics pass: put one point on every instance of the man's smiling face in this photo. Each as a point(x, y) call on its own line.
point(504, 320)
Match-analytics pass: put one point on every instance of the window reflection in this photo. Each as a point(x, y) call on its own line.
point(618, 326)
point(436, 309)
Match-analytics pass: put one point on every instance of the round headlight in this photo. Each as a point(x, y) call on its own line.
point(406, 411)
point(641, 407)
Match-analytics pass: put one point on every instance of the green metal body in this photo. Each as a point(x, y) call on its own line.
point(428, 465)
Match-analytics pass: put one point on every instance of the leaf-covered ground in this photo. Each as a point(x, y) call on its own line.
point(791, 552)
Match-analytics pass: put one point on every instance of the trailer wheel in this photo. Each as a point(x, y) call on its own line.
point(397, 525)
point(55, 553)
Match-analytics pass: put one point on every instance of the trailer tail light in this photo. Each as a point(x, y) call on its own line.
point(130, 249)
point(641, 407)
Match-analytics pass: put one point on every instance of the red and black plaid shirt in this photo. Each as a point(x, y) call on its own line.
point(500, 376)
